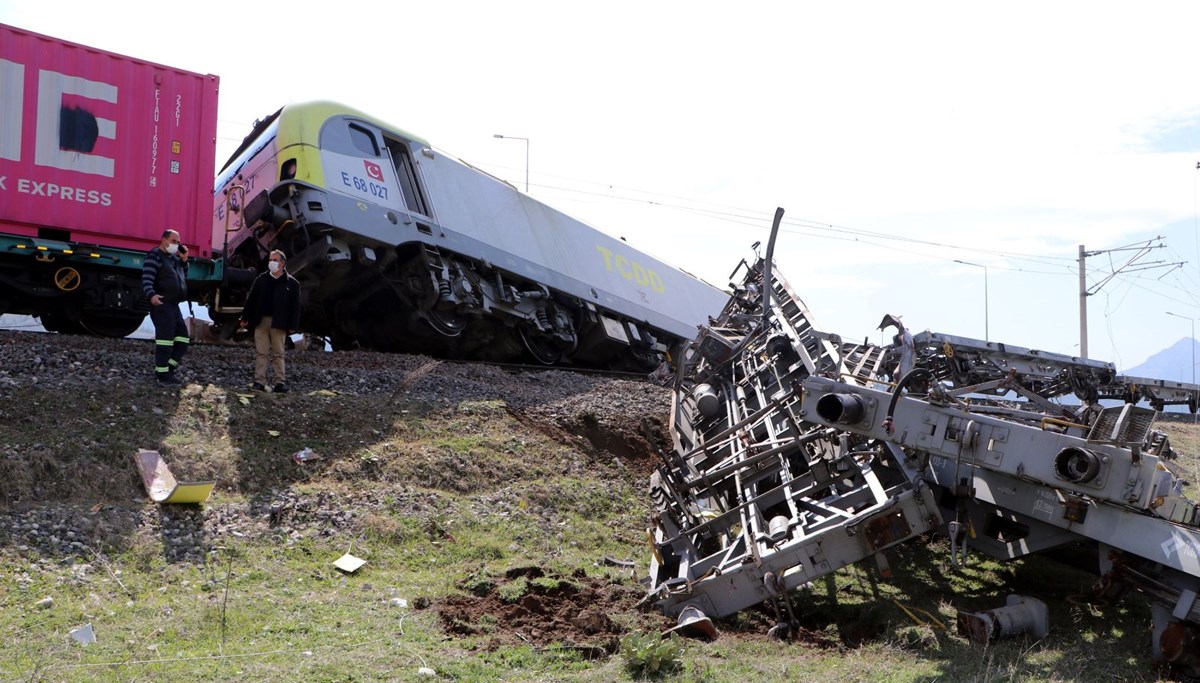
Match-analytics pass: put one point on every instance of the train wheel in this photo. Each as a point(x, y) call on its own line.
point(60, 322)
point(446, 322)
point(343, 342)
point(542, 349)
point(111, 325)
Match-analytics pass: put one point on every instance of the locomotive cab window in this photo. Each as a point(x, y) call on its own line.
point(364, 140)
point(406, 173)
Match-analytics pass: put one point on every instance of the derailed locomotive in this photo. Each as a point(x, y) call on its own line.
point(399, 247)
point(796, 454)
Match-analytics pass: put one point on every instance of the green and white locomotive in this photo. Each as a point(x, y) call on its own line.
point(401, 248)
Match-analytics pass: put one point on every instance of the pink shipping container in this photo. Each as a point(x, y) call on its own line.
point(99, 148)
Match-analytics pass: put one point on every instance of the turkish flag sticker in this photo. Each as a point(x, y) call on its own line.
point(374, 172)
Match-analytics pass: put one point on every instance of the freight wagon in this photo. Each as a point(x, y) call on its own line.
point(99, 153)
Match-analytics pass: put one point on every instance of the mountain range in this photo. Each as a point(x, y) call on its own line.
point(1173, 363)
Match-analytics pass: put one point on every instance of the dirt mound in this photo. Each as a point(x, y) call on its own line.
point(527, 605)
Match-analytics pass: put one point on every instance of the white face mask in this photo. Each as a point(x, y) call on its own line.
point(273, 266)
point(172, 248)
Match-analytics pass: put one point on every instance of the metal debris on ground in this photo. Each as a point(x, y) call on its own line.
point(692, 623)
point(797, 453)
point(1021, 615)
point(304, 455)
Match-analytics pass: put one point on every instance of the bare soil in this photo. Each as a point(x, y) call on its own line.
point(564, 611)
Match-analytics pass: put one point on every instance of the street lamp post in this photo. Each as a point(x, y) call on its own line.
point(1193, 340)
point(513, 137)
point(986, 331)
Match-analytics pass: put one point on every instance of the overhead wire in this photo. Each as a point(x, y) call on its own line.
point(1059, 265)
point(759, 216)
point(755, 218)
point(1142, 283)
point(832, 231)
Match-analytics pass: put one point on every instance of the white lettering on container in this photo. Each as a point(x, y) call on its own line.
point(47, 149)
point(12, 97)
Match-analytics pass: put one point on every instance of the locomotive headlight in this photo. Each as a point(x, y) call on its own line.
point(288, 171)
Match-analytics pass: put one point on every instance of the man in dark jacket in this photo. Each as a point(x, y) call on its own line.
point(164, 280)
point(273, 311)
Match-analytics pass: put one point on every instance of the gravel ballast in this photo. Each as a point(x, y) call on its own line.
point(51, 363)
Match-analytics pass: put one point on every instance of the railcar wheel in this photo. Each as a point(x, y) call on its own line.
point(542, 349)
point(111, 325)
point(60, 322)
point(447, 323)
point(343, 342)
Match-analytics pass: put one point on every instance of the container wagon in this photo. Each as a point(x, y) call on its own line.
point(99, 154)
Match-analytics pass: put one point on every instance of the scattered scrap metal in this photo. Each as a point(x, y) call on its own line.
point(796, 454)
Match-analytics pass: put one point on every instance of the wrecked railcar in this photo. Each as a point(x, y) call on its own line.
point(757, 499)
point(796, 454)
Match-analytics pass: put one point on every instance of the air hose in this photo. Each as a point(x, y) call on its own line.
point(891, 409)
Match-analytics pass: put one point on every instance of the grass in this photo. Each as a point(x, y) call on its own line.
point(470, 504)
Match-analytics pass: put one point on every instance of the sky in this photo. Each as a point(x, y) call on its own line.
point(942, 161)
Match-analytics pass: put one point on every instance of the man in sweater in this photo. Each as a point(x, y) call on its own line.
point(164, 281)
point(273, 311)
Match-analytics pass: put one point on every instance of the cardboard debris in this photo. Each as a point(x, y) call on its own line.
point(349, 563)
point(162, 485)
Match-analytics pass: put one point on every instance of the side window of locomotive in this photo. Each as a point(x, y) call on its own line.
point(349, 138)
point(406, 173)
point(363, 140)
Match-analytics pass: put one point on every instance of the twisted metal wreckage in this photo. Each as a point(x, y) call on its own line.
point(797, 453)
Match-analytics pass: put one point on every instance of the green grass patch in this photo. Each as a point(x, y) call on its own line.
point(469, 505)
